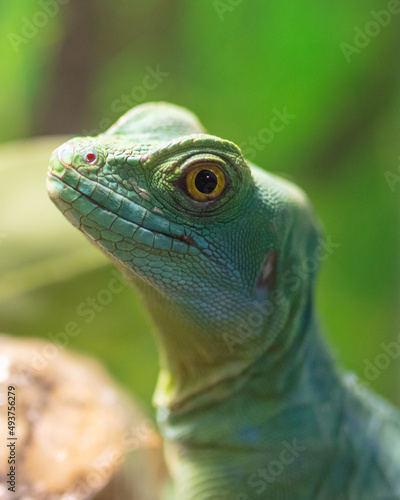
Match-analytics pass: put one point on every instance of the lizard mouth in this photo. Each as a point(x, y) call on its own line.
point(113, 220)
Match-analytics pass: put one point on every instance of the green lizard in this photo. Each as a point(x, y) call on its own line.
point(250, 402)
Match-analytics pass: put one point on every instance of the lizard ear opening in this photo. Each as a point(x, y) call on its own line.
point(268, 277)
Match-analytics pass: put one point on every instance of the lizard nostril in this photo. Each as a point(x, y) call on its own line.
point(90, 157)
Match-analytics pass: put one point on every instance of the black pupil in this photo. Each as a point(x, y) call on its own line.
point(206, 181)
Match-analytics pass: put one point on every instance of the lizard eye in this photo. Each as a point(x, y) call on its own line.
point(205, 182)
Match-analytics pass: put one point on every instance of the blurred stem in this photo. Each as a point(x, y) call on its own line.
point(74, 68)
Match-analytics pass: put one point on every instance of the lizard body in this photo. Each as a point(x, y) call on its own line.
point(250, 402)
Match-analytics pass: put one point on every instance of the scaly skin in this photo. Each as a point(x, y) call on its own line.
point(249, 400)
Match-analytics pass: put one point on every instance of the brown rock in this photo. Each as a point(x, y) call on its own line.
point(79, 436)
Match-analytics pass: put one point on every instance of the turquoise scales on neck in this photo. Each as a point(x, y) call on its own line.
point(251, 404)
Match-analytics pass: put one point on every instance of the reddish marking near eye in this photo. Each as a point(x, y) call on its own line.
point(90, 157)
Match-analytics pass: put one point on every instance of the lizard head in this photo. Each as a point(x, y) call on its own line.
point(205, 237)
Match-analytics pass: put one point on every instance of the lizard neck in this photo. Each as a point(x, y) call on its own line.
point(191, 377)
point(299, 373)
point(188, 366)
point(288, 399)
point(295, 427)
point(200, 344)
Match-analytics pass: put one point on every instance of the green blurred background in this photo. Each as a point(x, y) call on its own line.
point(72, 67)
